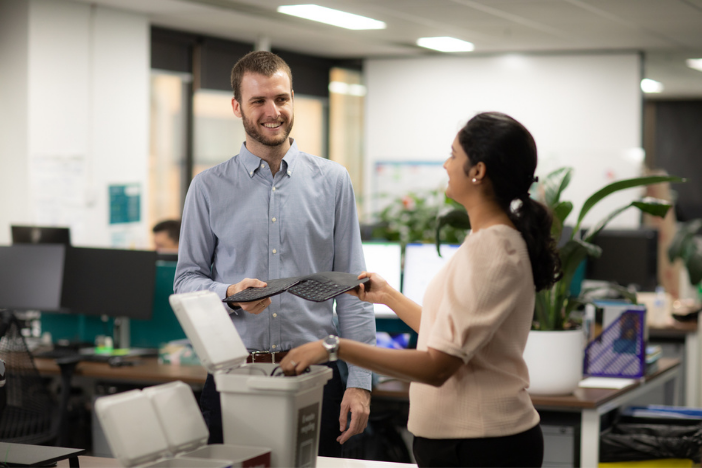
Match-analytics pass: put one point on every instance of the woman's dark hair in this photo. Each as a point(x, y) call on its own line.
point(509, 153)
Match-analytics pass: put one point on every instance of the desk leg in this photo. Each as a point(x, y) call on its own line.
point(692, 375)
point(589, 439)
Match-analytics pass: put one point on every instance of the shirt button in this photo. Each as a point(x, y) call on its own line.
point(274, 189)
point(275, 315)
point(275, 251)
point(273, 220)
point(289, 172)
point(263, 165)
point(273, 346)
point(251, 173)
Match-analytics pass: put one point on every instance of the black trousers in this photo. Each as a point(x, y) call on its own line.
point(520, 450)
point(329, 426)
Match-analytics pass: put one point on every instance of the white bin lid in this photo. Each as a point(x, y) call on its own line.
point(210, 330)
point(175, 404)
point(131, 428)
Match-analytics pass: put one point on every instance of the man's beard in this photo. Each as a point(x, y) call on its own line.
point(252, 130)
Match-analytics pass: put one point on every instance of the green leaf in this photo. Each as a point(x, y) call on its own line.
point(554, 183)
point(683, 239)
point(618, 186)
point(560, 213)
point(694, 260)
point(455, 218)
point(652, 206)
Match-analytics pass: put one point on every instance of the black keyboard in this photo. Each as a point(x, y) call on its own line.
point(319, 287)
point(317, 291)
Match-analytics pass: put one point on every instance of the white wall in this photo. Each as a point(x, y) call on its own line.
point(14, 177)
point(85, 104)
point(583, 110)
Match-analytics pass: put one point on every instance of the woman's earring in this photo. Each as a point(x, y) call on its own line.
point(475, 180)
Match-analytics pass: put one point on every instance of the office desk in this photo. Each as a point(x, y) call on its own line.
point(148, 372)
point(322, 462)
point(591, 403)
point(688, 333)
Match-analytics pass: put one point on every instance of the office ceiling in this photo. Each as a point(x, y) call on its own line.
point(668, 31)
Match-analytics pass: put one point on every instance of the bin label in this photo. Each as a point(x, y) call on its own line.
point(307, 430)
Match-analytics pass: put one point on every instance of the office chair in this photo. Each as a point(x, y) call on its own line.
point(31, 414)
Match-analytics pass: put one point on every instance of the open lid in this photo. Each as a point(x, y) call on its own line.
point(131, 428)
point(179, 415)
point(210, 330)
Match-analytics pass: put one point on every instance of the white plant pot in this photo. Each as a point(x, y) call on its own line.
point(555, 361)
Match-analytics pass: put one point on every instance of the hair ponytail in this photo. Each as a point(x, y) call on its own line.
point(533, 220)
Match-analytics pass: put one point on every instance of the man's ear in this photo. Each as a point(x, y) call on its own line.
point(236, 107)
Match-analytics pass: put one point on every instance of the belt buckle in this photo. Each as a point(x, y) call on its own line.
point(255, 353)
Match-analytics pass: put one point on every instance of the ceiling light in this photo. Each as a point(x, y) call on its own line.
point(651, 86)
point(445, 44)
point(694, 63)
point(331, 16)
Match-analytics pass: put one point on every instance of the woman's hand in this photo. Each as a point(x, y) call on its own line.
point(253, 307)
point(375, 291)
point(300, 358)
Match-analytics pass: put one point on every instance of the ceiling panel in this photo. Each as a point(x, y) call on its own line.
point(494, 26)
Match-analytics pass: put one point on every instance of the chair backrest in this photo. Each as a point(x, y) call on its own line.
point(31, 412)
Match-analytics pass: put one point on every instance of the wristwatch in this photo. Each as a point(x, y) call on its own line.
point(331, 344)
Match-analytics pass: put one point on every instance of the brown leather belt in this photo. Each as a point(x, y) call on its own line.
point(265, 356)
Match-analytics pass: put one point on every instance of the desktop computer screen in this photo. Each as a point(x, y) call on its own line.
point(40, 235)
point(386, 260)
point(31, 277)
point(118, 283)
point(422, 263)
point(629, 257)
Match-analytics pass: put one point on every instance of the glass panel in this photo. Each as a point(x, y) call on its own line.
point(168, 145)
point(346, 107)
point(218, 133)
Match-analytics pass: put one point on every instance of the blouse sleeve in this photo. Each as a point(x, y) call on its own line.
point(479, 294)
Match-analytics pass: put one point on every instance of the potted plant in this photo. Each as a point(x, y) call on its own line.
point(553, 336)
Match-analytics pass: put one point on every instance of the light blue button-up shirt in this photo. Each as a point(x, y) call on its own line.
point(240, 221)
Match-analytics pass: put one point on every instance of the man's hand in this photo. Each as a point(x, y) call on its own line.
point(254, 307)
point(357, 402)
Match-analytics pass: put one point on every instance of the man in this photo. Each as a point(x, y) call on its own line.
point(273, 212)
point(167, 236)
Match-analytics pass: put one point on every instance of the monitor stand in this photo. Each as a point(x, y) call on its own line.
point(121, 335)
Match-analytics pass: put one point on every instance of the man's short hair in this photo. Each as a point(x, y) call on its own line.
point(171, 227)
point(261, 62)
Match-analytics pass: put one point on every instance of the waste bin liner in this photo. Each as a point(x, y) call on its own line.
point(633, 438)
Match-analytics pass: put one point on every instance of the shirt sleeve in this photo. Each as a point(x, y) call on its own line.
point(197, 245)
point(356, 318)
point(478, 297)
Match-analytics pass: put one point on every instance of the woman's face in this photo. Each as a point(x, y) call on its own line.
point(459, 182)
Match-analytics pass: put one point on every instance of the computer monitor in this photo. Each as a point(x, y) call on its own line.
point(629, 257)
point(31, 277)
point(386, 260)
point(40, 235)
point(113, 282)
point(422, 263)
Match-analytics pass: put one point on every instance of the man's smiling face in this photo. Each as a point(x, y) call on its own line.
point(266, 107)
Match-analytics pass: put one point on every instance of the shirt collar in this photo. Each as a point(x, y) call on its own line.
point(252, 162)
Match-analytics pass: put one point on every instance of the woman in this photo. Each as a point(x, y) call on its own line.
point(468, 399)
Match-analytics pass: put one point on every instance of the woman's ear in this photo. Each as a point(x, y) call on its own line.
point(478, 171)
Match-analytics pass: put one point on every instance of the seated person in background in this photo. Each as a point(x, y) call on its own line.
point(167, 236)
